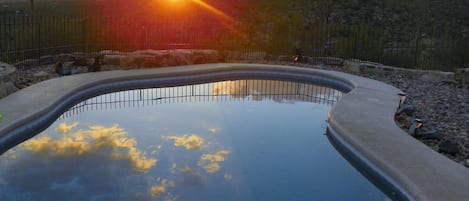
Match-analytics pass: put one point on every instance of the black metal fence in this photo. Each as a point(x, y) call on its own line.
point(236, 90)
point(26, 37)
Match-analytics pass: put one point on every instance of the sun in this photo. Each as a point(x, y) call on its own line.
point(176, 1)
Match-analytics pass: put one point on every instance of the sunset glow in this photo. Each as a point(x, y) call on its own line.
point(177, 4)
point(213, 10)
point(164, 24)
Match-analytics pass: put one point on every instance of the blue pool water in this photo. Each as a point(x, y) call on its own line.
point(234, 140)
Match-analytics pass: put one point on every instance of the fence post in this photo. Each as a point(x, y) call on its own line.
point(83, 35)
point(417, 43)
point(38, 22)
point(8, 36)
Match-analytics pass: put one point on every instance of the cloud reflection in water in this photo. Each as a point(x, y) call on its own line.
point(278, 91)
point(111, 141)
point(189, 142)
point(99, 163)
point(211, 162)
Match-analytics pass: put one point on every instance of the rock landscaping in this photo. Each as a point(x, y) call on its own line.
point(7, 79)
point(437, 98)
point(440, 99)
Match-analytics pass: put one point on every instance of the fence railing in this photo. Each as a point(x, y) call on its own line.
point(237, 90)
point(27, 37)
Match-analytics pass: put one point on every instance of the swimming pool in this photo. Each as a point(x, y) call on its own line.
point(228, 140)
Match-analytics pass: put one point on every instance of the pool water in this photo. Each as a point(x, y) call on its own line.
point(232, 140)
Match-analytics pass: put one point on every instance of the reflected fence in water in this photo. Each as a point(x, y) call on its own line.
point(236, 90)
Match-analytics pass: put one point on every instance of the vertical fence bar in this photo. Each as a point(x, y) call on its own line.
point(39, 39)
point(416, 53)
point(11, 37)
point(17, 33)
point(2, 37)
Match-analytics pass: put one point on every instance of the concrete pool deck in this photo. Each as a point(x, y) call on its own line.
point(362, 122)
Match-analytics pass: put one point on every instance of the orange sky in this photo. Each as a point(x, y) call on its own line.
point(172, 21)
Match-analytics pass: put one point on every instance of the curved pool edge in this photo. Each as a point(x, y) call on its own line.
point(362, 121)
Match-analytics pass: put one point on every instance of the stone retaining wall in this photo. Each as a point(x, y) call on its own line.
point(7, 79)
point(177, 57)
point(136, 59)
point(380, 69)
point(160, 58)
point(353, 65)
point(462, 76)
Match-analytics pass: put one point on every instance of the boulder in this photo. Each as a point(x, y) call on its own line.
point(40, 76)
point(63, 68)
point(205, 56)
point(332, 61)
point(112, 59)
point(7, 88)
point(449, 147)
point(183, 57)
point(81, 61)
point(307, 59)
point(255, 56)
point(127, 62)
point(232, 55)
point(286, 58)
point(27, 63)
point(435, 76)
point(149, 52)
point(7, 79)
point(462, 76)
point(132, 60)
point(352, 66)
point(47, 59)
point(108, 52)
point(270, 57)
point(150, 62)
point(65, 57)
point(409, 110)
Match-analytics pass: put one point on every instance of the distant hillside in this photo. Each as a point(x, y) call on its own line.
point(400, 16)
point(403, 15)
point(452, 13)
point(45, 7)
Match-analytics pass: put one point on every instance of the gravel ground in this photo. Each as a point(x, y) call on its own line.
point(442, 105)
